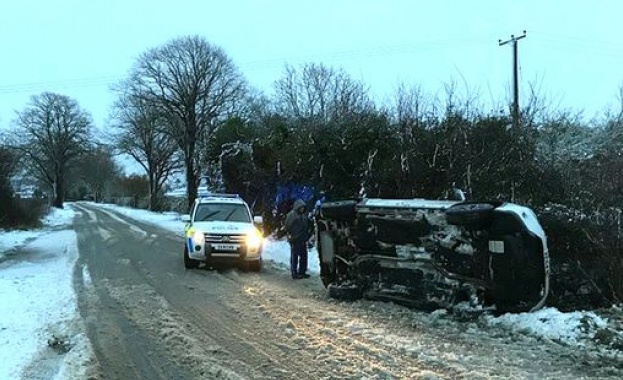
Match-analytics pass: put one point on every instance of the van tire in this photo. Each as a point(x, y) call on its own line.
point(344, 292)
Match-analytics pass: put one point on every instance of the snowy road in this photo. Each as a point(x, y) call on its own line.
point(149, 318)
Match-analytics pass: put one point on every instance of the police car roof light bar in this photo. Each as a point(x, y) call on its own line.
point(219, 195)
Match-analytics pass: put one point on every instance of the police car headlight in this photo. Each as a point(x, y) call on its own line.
point(198, 237)
point(254, 239)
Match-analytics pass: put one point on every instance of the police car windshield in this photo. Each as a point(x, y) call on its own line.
point(224, 212)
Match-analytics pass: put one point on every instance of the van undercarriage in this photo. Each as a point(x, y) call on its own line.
point(433, 254)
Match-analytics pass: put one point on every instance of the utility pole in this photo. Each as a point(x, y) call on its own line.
point(513, 40)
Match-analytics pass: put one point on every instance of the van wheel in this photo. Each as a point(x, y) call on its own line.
point(471, 215)
point(338, 210)
point(326, 257)
point(344, 292)
point(188, 262)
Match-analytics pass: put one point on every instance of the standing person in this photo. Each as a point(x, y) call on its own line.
point(297, 228)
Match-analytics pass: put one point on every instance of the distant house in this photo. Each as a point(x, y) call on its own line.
point(180, 192)
point(26, 192)
point(176, 193)
point(24, 187)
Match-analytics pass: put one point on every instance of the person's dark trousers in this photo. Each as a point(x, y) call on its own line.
point(298, 258)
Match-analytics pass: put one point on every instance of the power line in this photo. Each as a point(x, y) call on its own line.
point(65, 81)
point(577, 40)
point(68, 83)
point(380, 51)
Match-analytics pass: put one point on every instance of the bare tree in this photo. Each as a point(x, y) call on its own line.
point(409, 106)
point(196, 85)
point(8, 167)
point(99, 171)
point(323, 104)
point(619, 114)
point(409, 111)
point(140, 134)
point(318, 91)
point(53, 131)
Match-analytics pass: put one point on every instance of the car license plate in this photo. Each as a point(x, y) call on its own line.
point(225, 247)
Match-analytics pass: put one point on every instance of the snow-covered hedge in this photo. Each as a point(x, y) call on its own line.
point(586, 251)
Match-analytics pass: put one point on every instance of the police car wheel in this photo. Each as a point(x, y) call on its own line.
point(188, 262)
point(253, 266)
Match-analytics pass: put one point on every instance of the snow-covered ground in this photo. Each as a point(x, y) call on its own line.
point(38, 314)
point(39, 318)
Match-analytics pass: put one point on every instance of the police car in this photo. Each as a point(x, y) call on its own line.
point(220, 230)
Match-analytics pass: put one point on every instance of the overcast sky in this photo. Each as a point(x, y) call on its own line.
point(573, 50)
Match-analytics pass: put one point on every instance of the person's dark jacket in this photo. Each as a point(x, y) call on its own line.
point(297, 223)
